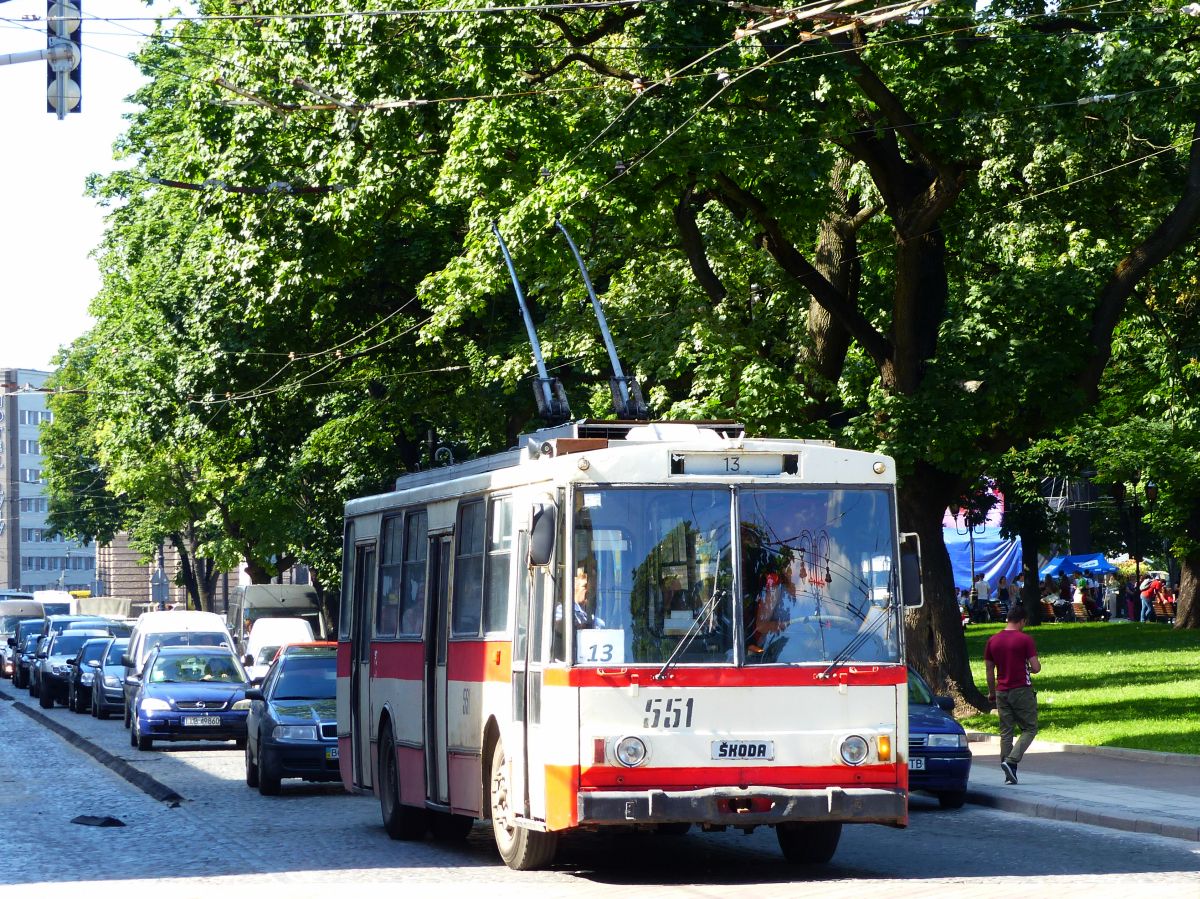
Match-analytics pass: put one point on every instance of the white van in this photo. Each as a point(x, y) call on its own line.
point(267, 635)
point(253, 602)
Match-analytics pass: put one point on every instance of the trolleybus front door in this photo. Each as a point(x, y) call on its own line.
point(360, 666)
point(436, 772)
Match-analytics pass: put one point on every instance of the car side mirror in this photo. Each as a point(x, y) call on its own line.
point(41, 655)
point(248, 661)
point(945, 703)
point(127, 661)
point(12, 641)
point(94, 663)
point(255, 693)
point(71, 662)
point(133, 679)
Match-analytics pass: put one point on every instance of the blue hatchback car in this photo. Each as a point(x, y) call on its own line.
point(939, 761)
point(190, 693)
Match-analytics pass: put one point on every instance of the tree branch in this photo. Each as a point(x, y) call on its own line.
point(591, 62)
point(613, 22)
point(693, 245)
point(1175, 231)
point(793, 262)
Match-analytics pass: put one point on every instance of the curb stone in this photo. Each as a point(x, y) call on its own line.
point(1112, 752)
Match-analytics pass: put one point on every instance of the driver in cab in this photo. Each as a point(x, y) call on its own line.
point(584, 603)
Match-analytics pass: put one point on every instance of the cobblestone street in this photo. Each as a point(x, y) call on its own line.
point(224, 833)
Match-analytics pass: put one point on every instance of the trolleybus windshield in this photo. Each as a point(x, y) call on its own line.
point(654, 569)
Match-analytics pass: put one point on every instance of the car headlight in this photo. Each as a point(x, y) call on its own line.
point(241, 705)
point(630, 752)
point(59, 669)
point(153, 704)
point(953, 741)
point(111, 680)
point(86, 678)
point(294, 732)
point(854, 750)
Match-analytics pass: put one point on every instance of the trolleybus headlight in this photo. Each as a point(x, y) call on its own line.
point(854, 750)
point(631, 752)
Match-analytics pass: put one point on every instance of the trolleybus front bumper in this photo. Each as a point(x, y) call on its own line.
point(737, 807)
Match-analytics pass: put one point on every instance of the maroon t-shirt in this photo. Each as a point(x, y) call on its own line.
point(1009, 650)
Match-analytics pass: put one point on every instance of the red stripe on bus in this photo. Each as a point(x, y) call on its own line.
point(752, 676)
point(795, 777)
point(476, 661)
point(404, 661)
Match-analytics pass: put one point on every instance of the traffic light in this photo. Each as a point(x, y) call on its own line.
point(64, 70)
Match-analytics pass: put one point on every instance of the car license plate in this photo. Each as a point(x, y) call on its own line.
point(202, 721)
point(916, 764)
point(759, 750)
point(331, 753)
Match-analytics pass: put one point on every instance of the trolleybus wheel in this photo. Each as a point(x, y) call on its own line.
point(809, 843)
point(402, 822)
point(522, 849)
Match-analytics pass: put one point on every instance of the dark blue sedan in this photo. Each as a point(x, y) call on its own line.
point(292, 728)
point(189, 693)
point(939, 761)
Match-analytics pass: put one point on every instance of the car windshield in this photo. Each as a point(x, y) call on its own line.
point(187, 638)
point(266, 655)
point(94, 650)
point(653, 573)
point(918, 692)
point(68, 643)
point(195, 668)
point(112, 658)
point(8, 623)
point(307, 678)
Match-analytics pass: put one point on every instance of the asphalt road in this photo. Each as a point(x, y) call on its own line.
point(225, 835)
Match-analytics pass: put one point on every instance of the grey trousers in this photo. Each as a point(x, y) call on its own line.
point(1017, 709)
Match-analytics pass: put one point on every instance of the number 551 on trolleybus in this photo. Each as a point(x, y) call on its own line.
point(634, 626)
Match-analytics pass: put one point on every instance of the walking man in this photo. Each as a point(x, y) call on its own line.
point(1013, 653)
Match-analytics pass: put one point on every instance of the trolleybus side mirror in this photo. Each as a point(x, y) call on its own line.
point(910, 570)
point(541, 534)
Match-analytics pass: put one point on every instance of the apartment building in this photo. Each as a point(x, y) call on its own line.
point(30, 559)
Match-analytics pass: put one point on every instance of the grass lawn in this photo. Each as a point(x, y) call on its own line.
point(1108, 684)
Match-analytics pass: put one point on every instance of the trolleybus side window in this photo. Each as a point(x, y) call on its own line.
point(412, 588)
point(347, 605)
point(499, 555)
point(387, 611)
point(468, 569)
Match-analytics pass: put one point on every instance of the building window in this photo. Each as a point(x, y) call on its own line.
point(30, 447)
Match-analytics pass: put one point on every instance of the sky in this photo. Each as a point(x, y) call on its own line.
point(48, 227)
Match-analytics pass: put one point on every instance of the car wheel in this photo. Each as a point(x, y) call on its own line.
point(143, 743)
point(251, 769)
point(269, 781)
point(808, 843)
point(402, 822)
point(127, 721)
point(952, 799)
point(77, 703)
point(133, 738)
point(521, 849)
point(45, 699)
point(33, 688)
point(239, 742)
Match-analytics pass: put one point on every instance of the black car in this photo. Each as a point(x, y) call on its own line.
point(81, 675)
point(108, 692)
point(939, 760)
point(29, 628)
point(34, 662)
point(291, 730)
point(52, 669)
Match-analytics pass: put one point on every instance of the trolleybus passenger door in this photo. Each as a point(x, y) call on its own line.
point(360, 669)
point(441, 550)
point(539, 591)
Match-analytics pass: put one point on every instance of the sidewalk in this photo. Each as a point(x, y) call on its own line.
point(1122, 789)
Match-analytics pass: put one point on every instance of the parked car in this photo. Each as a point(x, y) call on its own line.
point(108, 693)
point(30, 627)
point(291, 730)
point(178, 628)
point(189, 693)
point(52, 668)
point(81, 675)
point(35, 666)
point(24, 663)
point(939, 761)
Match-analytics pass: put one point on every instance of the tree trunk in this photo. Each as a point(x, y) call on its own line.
point(1031, 592)
point(1187, 611)
point(936, 645)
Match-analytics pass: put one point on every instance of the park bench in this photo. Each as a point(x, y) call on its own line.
point(1048, 611)
point(1080, 611)
point(1164, 612)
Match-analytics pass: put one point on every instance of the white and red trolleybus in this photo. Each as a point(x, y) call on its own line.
point(630, 625)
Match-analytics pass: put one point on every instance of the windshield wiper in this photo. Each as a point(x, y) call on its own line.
point(705, 615)
point(859, 639)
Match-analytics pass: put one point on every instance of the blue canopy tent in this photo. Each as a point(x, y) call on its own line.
point(1089, 563)
point(994, 556)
